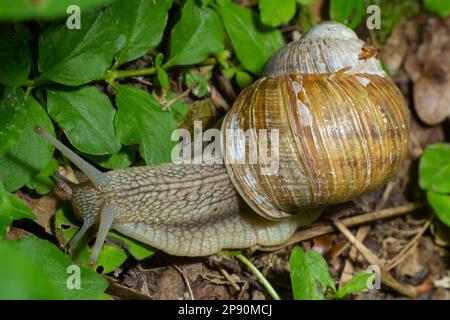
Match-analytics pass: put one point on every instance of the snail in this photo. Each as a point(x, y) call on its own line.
point(343, 130)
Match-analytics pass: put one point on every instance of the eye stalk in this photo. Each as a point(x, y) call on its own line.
point(98, 178)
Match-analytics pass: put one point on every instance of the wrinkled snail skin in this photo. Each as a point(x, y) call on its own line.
point(188, 210)
point(343, 130)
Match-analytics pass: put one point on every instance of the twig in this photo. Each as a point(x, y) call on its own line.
point(408, 248)
point(319, 230)
point(261, 278)
point(243, 288)
point(361, 234)
point(186, 280)
point(229, 278)
point(185, 93)
point(386, 278)
point(387, 192)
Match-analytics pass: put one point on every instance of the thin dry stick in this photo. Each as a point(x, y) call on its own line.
point(386, 278)
point(229, 278)
point(408, 248)
point(186, 280)
point(244, 287)
point(387, 192)
point(361, 234)
point(315, 231)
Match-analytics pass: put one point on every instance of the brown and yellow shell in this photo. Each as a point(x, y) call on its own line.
point(343, 125)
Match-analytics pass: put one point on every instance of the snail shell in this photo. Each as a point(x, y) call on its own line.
point(343, 125)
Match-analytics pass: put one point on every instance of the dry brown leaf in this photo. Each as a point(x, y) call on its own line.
point(432, 88)
point(395, 50)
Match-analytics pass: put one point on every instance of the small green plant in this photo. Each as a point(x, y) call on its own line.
point(311, 279)
point(434, 178)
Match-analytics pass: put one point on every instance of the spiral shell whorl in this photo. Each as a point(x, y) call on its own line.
point(341, 134)
point(326, 48)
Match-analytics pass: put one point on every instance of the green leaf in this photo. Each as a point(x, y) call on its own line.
point(243, 79)
point(46, 261)
point(440, 7)
point(31, 153)
point(306, 2)
point(434, 168)
point(87, 116)
point(22, 278)
point(276, 12)
point(11, 208)
point(82, 55)
point(197, 82)
point(138, 250)
point(15, 59)
point(141, 120)
point(43, 9)
point(348, 12)
point(123, 159)
point(13, 117)
point(253, 42)
point(43, 183)
point(198, 34)
point(310, 277)
point(441, 205)
point(358, 283)
point(144, 21)
point(179, 110)
point(163, 78)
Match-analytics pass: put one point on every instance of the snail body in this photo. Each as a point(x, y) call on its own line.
point(343, 130)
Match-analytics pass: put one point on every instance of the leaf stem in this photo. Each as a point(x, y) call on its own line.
point(261, 278)
point(29, 83)
point(114, 74)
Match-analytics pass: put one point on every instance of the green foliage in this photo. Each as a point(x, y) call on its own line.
point(123, 159)
point(145, 22)
point(13, 112)
point(33, 268)
point(29, 153)
point(434, 168)
point(440, 7)
point(441, 205)
point(357, 283)
point(243, 79)
point(15, 59)
point(83, 55)
point(197, 82)
point(86, 115)
point(434, 177)
point(163, 78)
point(276, 12)
point(348, 12)
point(43, 9)
point(311, 279)
point(141, 120)
point(42, 182)
point(178, 110)
point(306, 2)
point(198, 34)
point(252, 42)
point(11, 208)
